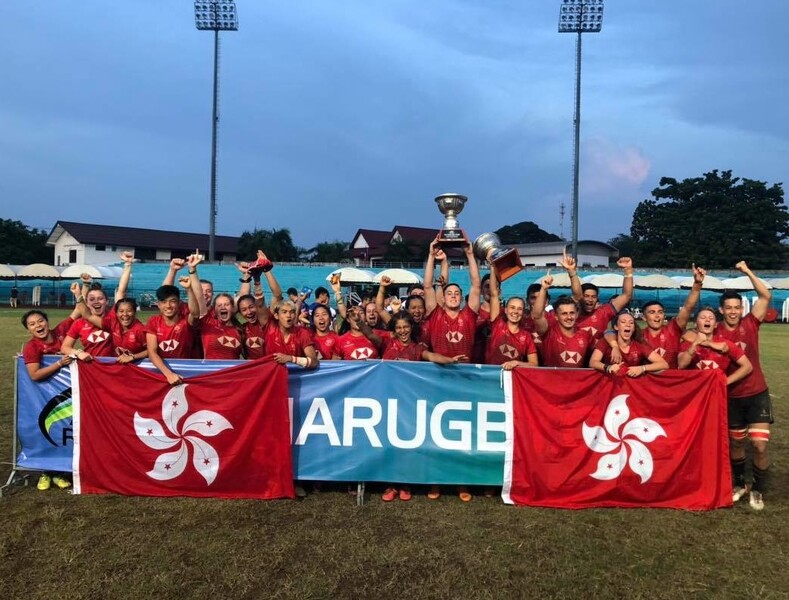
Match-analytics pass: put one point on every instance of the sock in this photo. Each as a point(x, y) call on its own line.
point(738, 471)
point(760, 478)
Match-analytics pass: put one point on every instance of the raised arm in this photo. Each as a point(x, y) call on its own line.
point(427, 284)
point(759, 308)
point(538, 310)
point(475, 291)
point(176, 265)
point(495, 295)
point(683, 316)
point(622, 301)
point(569, 264)
point(123, 282)
point(379, 300)
point(245, 280)
point(195, 299)
point(336, 286)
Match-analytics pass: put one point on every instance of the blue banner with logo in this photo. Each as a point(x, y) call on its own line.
point(389, 421)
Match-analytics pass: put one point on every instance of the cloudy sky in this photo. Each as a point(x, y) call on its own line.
point(347, 114)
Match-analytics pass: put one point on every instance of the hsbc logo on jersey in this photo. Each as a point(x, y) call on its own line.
point(661, 352)
point(743, 346)
point(254, 342)
point(592, 330)
point(361, 353)
point(97, 337)
point(454, 337)
point(168, 345)
point(707, 364)
point(508, 351)
point(570, 358)
point(228, 342)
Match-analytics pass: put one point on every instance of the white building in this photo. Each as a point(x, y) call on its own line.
point(549, 254)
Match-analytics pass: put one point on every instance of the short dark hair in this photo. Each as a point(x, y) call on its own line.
point(130, 301)
point(321, 290)
point(167, 291)
point(534, 288)
point(585, 287)
point(728, 295)
point(652, 303)
point(30, 313)
point(564, 299)
point(292, 292)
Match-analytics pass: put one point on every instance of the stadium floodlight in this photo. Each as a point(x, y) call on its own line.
point(216, 16)
point(579, 17)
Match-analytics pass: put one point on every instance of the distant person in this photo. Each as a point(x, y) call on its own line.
point(13, 300)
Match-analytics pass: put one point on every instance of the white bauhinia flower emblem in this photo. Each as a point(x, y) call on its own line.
point(206, 423)
point(632, 435)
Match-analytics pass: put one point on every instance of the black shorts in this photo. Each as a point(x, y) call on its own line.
point(752, 409)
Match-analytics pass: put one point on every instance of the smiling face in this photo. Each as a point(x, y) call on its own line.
point(97, 302)
point(453, 296)
point(402, 331)
point(169, 307)
point(321, 319)
point(705, 321)
point(589, 301)
point(208, 292)
point(416, 308)
point(224, 308)
point(248, 310)
point(38, 326)
point(731, 311)
point(126, 314)
point(514, 310)
point(355, 317)
point(566, 315)
point(625, 327)
point(371, 314)
point(655, 316)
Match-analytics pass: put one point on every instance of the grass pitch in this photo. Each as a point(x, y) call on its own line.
point(53, 544)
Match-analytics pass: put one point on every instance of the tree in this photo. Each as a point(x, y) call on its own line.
point(624, 243)
point(276, 243)
point(400, 252)
point(525, 232)
point(22, 245)
point(331, 252)
point(715, 221)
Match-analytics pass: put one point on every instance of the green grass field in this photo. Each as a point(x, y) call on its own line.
point(56, 545)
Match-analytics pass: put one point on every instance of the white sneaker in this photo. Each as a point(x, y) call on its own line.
point(756, 501)
point(738, 493)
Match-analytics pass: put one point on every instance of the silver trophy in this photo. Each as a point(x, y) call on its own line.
point(451, 205)
point(506, 261)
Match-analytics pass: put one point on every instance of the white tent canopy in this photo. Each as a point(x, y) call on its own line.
point(352, 275)
point(742, 284)
point(655, 282)
point(39, 271)
point(398, 277)
point(781, 283)
point(560, 280)
point(74, 271)
point(605, 280)
point(7, 272)
point(710, 283)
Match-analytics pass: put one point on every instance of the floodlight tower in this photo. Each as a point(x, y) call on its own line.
point(216, 16)
point(579, 16)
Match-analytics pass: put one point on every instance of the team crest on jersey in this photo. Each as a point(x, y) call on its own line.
point(168, 345)
point(571, 358)
point(590, 329)
point(254, 342)
point(707, 364)
point(97, 337)
point(661, 352)
point(508, 351)
point(454, 337)
point(361, 353)
point(228, 342)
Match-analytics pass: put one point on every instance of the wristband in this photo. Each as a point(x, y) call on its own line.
point(80, 298)
point(302, 361)
point(643, 369)
point(192, 272)
point(242, 280)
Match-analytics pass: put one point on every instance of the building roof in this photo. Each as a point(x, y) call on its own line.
point(134, 237)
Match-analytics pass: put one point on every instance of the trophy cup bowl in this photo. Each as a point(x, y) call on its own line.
point(506, 261)
point(451, 205)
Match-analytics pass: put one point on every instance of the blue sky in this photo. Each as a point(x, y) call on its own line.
point(348, 114)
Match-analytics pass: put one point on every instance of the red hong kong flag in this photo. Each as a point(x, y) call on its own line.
point(224, 434)
point(581, 439)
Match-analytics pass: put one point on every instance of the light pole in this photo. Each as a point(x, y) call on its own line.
point(579, 16)
point(216, 16)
